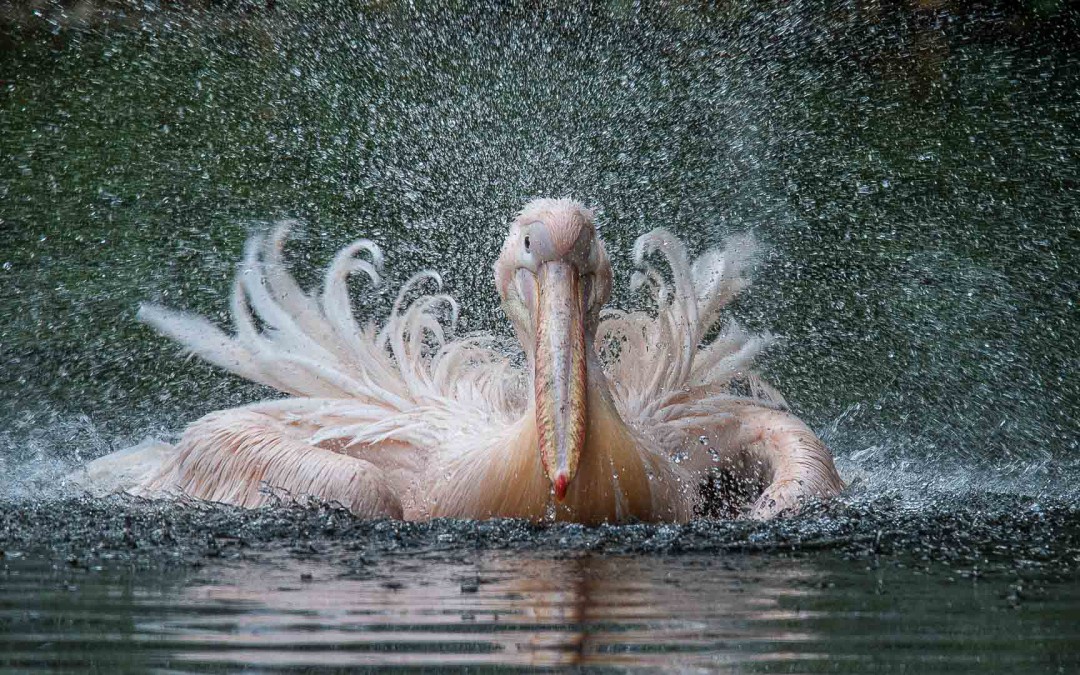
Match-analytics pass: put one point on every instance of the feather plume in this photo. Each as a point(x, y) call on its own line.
point(660, 371)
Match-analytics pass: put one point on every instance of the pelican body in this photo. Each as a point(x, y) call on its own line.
point(612, 415)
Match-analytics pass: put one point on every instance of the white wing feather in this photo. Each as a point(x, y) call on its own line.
point(408, 380)
point(664, 377)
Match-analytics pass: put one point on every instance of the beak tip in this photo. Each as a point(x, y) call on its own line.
point(561, 483)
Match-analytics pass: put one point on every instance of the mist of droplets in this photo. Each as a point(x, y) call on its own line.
point(912, 172)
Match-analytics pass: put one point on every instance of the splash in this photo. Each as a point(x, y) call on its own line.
point(920, 282)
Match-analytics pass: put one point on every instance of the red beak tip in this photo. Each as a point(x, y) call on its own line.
point(561, 483)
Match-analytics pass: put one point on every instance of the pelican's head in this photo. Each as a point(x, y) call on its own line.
point(554, 276)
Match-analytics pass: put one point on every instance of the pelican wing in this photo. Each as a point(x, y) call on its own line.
point(664, 374)
point(697, 398)
point(404, 382)
point(248, 457)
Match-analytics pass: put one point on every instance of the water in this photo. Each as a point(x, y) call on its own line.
point(739, 613)
point(913, 172)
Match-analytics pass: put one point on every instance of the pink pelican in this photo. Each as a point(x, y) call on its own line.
point(611, 415)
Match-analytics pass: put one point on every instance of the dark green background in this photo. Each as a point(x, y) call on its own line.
point(912, 168)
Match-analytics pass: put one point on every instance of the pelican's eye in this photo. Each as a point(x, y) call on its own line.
point(526, 243)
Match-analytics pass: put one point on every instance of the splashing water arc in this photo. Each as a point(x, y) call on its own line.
point(921, 287)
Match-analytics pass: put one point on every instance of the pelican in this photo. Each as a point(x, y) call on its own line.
point(607, 416)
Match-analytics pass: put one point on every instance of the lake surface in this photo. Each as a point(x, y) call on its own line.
point(738, 613)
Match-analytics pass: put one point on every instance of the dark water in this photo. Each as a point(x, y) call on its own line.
point(913, 168)
point(742, 614)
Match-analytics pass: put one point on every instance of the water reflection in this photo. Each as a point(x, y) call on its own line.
point(481, 609)
point(506, 610)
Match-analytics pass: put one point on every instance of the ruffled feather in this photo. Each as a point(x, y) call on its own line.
point(663, 376)
point(406, 378)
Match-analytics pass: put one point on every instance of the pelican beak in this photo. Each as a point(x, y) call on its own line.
point(559, 372)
